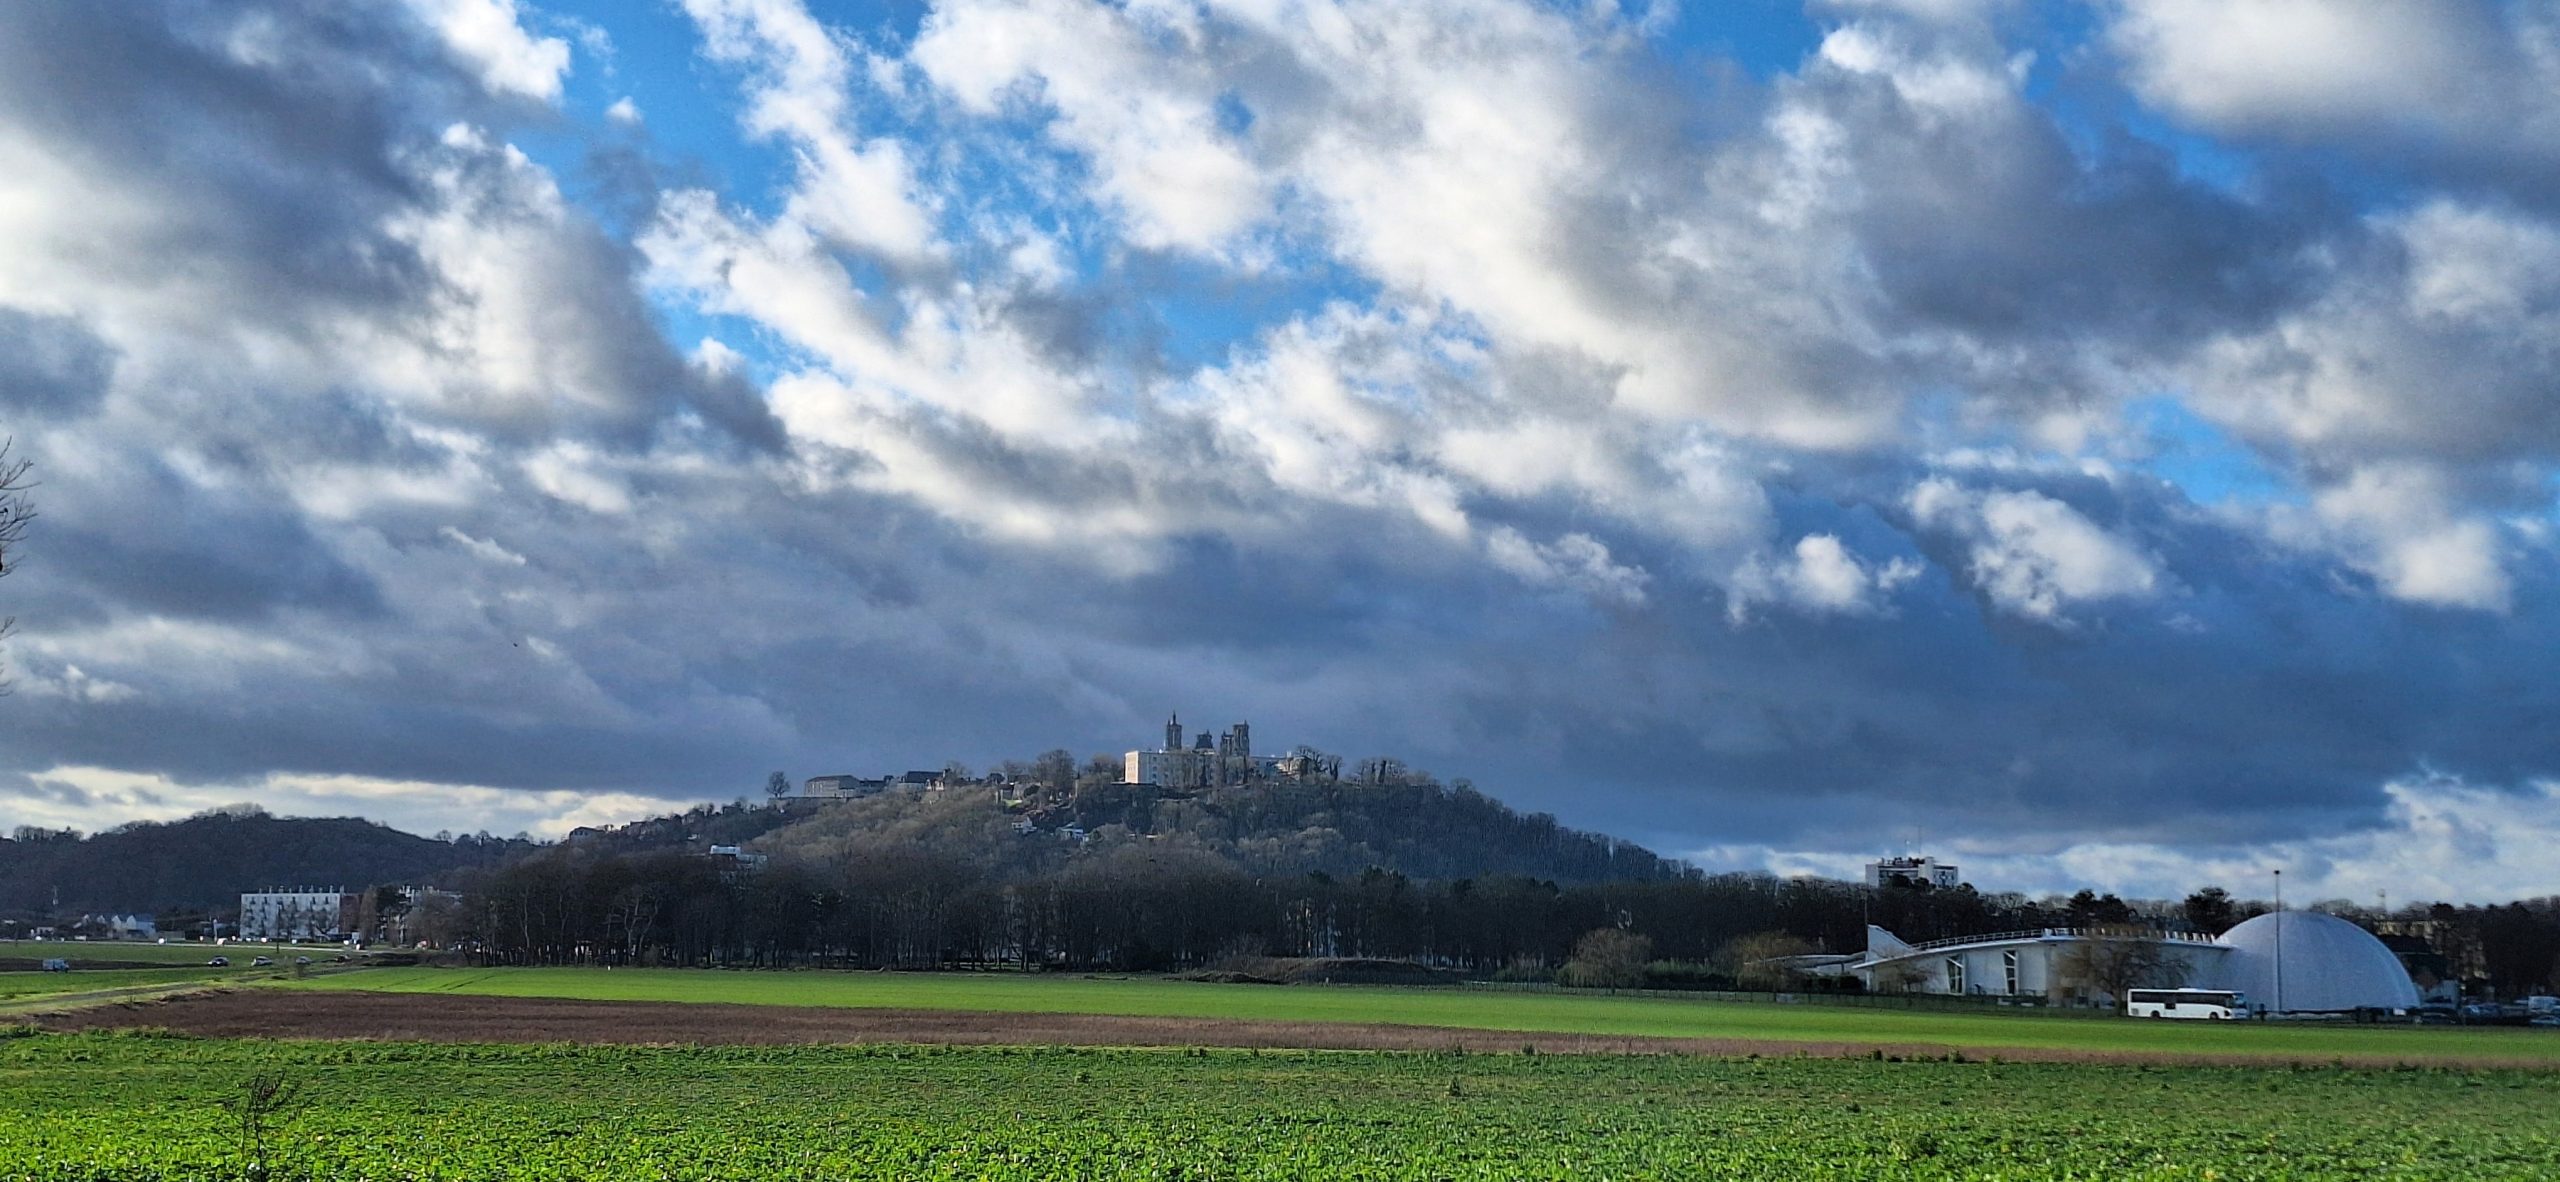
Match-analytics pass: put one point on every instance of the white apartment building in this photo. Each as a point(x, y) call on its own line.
point(295, 913)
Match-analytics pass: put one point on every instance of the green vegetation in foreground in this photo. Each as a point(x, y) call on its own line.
point(1563, 1013)
point(99, 1108)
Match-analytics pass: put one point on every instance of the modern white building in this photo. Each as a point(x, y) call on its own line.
point(296, 913)
point(1913, 868)
point(2311, 963)
point(2300, 962)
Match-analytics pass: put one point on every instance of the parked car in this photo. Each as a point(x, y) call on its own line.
point(304, 960)
point(219, 962)
point(262, 962)
point(57, 965)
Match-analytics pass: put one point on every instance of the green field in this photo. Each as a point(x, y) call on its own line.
point(1567, 1013)
point(96, 952)
point(99, 1108)
point(21, 981)
point(19, 986)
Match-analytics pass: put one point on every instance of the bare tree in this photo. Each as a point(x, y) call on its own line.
point(2112, 960)
point(777, 786)
point(15, 512)
point(1761, 960)
point(1898, 976)
point(1607, 958)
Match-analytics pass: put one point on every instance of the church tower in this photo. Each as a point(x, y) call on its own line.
point(1173, 733)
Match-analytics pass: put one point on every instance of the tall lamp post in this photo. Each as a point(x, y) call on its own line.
point(2279, 1003)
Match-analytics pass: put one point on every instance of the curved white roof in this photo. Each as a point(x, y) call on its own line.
point(2327, 963)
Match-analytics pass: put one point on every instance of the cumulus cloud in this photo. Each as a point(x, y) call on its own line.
point(854, 190)
point(1819, 575)
point(73, 796)
point(1152, 127)
point(490, 36)
point(2441, 838)
point(2032, 555)
point(2465, 86)
point(1578, 561)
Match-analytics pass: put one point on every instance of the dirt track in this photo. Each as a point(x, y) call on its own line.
point(260, 1013)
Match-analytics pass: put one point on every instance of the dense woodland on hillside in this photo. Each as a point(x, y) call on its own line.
point(201, 864)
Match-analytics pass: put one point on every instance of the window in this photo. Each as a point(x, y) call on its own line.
point(1955, 974)
point(2009, 968)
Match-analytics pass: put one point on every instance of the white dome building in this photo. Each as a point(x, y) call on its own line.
point(2307, 962)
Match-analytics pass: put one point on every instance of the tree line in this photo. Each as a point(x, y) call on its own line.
point(902, 886)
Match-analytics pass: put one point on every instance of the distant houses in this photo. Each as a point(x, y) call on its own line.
point(851, 787)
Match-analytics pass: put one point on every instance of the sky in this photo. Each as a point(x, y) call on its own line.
point(2103, 444)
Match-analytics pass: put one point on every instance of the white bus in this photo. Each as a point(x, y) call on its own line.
point(2185, 1003)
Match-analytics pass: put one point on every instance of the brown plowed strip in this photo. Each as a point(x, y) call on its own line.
point(399, 1017)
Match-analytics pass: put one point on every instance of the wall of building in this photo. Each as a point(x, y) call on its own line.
point(2041, 969)
point(295, 915)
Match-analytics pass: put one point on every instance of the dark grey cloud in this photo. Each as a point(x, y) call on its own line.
point(50, 367)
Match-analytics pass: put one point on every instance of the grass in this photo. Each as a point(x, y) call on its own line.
point(14, 986)
point(104, 1108)
point(1481, 1010)
point(22, 980)
point(80, 952)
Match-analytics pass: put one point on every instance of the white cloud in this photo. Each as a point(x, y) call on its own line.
point(2399, 523)
point(90, 798)
point(855, 191)
point(481, 548)
point(2032, 555)
point(2440, 342)
point(1148, 119)
point(1575, 560)
point(2310, 67)
point(2440, 839)
point(74, 685)
point(1820, 576)
point(576, 474)
point(490, 35)
point(624, 111)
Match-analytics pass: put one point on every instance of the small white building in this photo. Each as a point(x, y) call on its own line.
point(841, 787)
point(1181, 768)
point(296, 913)
point(1914, 868)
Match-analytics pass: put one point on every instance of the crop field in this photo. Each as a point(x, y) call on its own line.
point(1651, 1017)
point(101, 1108)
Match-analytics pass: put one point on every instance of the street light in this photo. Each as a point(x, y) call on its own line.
point(2279, 1004)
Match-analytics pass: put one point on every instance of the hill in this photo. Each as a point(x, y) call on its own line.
point(205, 861)
point(1273, 830)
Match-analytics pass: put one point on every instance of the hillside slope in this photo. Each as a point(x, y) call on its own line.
point(205, 861)
point(1422, 831)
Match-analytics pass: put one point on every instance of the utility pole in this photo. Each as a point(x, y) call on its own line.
point(2279, 1003)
